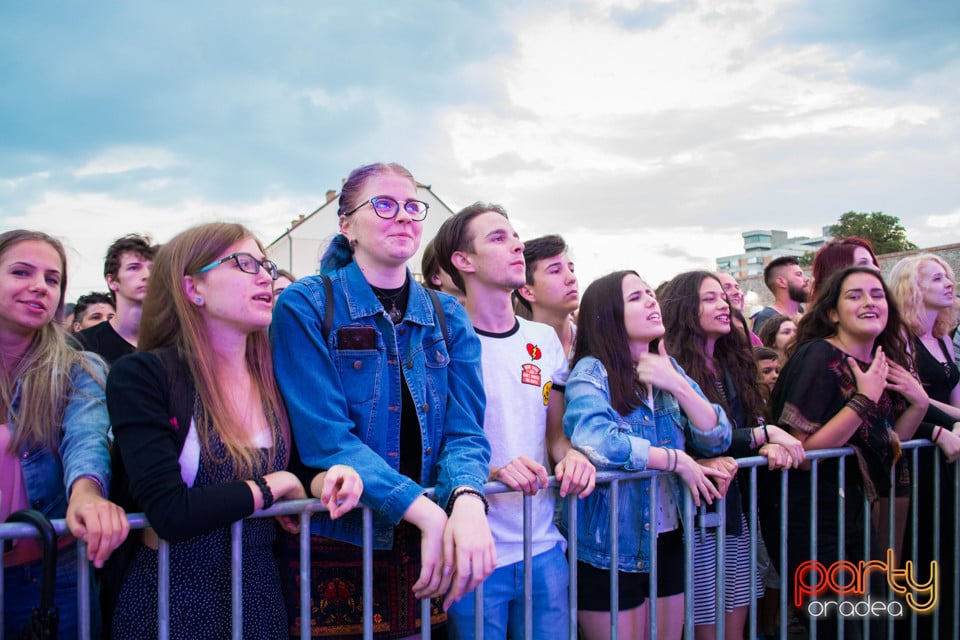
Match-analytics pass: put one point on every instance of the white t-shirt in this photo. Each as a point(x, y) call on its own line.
point(520, 369)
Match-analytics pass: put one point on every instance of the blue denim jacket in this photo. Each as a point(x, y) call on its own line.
point(612, 441)
point(344, 404)
point(84, 444)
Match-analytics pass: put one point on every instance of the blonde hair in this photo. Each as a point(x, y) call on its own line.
point(905, 287)
point(171, 320)
point(43, 370)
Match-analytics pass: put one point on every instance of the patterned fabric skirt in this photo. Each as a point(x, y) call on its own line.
point(336, 587)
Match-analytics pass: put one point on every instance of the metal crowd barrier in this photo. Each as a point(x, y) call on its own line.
point(614, 479)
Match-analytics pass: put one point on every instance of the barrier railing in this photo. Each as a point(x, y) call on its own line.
point(749, 466)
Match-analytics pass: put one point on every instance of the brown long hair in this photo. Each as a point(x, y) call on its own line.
point(170, 320)
point(44, 369)
point(602, 334)
point(686, 341)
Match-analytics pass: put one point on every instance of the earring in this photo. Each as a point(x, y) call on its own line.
point(199, 300)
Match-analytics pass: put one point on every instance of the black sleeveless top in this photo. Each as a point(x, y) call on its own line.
point(939, 377)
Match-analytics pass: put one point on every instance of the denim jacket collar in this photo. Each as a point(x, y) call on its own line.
point(363, 303)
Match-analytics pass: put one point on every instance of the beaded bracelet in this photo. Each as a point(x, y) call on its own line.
point(261, 482)
point(861, 405)
point(463, 491)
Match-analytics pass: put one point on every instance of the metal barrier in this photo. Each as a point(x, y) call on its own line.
point(614, 479)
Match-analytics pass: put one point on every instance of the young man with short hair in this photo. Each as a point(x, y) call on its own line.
point(92, 309)
point(126, 270)
point(789, 286)
point(524, 370)
point(550, 293)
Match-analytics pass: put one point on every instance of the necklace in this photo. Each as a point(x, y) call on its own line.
point(396, 299)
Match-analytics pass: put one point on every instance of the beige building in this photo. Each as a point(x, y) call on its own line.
point(300, 247)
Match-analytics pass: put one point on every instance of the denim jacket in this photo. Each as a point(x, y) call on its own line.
point(84, 445)
point(344, 403)
point(612, 441)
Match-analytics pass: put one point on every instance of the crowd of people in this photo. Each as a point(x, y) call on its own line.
point(208, 384)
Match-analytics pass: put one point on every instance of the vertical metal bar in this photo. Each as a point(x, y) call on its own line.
point(306, 613)
point(754, 536)
point(236, 578)
point(83, 591)
point(785, 607)
point(478, 612)
point(163, 590)
point(367, 554)
point(2, 594)
point(614, 557)
point(528, 567)
point(867, 537)
point(654, 490)
point(814, 469)
point(914, 523)
point(719, 560)
point(573, 559)
point(842, 524)
point(956, 552)
point(425, 627)
point(688, 542)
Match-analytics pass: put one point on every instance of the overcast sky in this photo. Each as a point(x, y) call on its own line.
point(650, 133)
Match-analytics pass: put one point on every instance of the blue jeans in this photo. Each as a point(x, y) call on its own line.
point(503, 601)
point(21, 592)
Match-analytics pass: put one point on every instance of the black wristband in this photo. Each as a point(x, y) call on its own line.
point(265, 491)
point(463, 491)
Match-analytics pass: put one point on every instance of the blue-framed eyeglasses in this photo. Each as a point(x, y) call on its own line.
point(386, 207)
point(246, 263)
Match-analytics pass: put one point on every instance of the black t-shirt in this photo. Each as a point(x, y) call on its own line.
point(103, 340)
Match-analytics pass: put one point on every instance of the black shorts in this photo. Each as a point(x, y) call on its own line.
point(593, 584)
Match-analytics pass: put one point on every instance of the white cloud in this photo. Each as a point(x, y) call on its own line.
point(96, 219)
point(122, 159)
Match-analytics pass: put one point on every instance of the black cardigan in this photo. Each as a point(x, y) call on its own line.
point(150, 396)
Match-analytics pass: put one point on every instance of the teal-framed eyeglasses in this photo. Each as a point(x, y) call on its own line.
point(387, 208)
point(246, 263)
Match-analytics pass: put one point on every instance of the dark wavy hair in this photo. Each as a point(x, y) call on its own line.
point(686, 341)
point(817, 325)
point(602, 334)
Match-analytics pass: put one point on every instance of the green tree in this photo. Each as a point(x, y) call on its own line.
point(806, 260)
point(885, 232)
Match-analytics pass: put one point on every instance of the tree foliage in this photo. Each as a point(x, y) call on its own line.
point(885, 232)
point(806, 260)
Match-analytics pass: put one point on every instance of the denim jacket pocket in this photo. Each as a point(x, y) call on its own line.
point(360, 371)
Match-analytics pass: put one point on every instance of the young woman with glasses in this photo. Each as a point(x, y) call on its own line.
point(54, 448)
point(392, 393)
point(204, 439)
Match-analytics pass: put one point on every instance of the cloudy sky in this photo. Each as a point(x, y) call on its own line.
point(649, 133)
